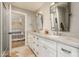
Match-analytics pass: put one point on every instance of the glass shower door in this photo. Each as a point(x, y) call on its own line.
point(4, 28)
point(5, 24)
point(0, 29)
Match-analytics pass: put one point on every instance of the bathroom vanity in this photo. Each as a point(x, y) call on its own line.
point(48, 45)
point(44, 45)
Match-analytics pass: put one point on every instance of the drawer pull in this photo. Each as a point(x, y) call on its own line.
point(65, 50)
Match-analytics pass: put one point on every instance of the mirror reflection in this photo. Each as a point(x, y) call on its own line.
point(60, 16)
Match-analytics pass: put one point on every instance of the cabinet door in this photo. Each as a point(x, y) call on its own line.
point(47, 48)
point(41, 52)
point(67, 51)
point(50, 52)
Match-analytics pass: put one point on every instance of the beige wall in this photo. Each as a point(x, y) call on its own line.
point(74, 24)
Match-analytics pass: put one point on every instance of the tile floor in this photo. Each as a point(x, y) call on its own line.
point(23, 51)
point(20, 50)
point(18, 43)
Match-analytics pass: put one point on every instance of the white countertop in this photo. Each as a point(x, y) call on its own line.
point(74, 42)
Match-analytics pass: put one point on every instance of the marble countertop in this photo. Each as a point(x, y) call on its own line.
point(74, 42)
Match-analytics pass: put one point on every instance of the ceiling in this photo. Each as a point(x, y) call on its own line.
point(33, 6)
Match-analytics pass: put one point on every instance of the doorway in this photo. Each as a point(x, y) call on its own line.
point(18, 30)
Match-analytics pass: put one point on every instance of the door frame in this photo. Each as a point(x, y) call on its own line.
point(10, 37)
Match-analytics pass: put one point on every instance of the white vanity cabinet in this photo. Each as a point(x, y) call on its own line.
point(44, 47)
point(67, 51)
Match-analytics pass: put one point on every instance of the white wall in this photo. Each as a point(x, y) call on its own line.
point(74, 21)
point(74, 24)
point(74, 27)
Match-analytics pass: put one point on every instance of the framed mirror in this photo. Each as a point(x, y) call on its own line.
point(39, 21)
point(60, 16)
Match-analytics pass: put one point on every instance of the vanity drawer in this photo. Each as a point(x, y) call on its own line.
point(48, 43)
point(67, 51)
point(47, 51)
